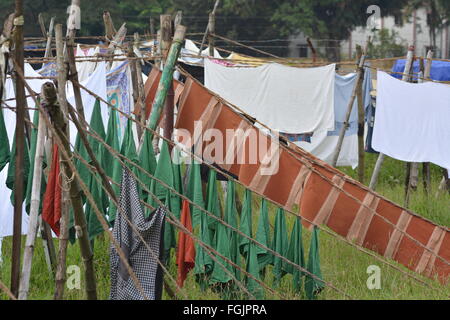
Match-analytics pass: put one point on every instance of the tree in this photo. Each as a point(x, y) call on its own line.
point(329, 19)
point(386, 44)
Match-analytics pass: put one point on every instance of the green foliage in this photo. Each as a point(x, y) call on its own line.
point(387, 44)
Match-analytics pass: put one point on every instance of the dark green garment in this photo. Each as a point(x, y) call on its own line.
point(169, 232)
point(280, 245)
point(263, 237)
point(295, 254)
point(10, 179)
point(94, 184)
point(252, 268)
point(212, 203)
point(246, 223)
point(314, 286)
point(4, 142)
point(177, 180)
point(203, 261)
point(164, 173)
point(34, 134)
point(113, 168)
point(195, 193)
point(231, 219)
point(147, 161)
point(219, 275)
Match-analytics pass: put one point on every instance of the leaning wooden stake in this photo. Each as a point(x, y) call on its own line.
point(64, 232)
point(166, 36)
point(34, 212)
point(75, 195)
point(361, 151)
point(20, 146)
point(207, 31)
point(359, 80)
point(381, 156)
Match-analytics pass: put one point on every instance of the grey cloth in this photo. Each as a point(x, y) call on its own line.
point(143, 262)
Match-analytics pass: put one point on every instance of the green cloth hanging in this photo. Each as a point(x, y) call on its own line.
point(177, 180)
point(314, 286)
point(231, 219)
point(246, 223)
point(252, 267)
point(212, 203)
point(280, 245)
point(195, 192)
point(203, 261)
point(169, 233)
point(4, 142)
point(95, 187)
point(34, 134)
point(263, 237)
point(147, 159)
point(295, 254)
point(219, 275)
point(10, 179)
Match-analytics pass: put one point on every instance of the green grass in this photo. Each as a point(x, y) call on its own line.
point(342, 265)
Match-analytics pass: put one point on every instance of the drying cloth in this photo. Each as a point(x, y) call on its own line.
point(186, 247)
point(411, 122)
point(189, 54)
point(287, 99)
point(51, 208)
point(440, 70)
point(144, 262)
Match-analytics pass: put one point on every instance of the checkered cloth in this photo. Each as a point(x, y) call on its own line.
point(143, 262)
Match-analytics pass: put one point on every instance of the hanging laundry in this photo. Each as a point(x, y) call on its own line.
point(94, 182)
point(212, 203)
point(4, 143)
point(147, 161)
point(280, 245)
point(189, 53)
point(323, 143)
point(85, 66)
point(51, 208)
point(246, 223)
point(10, 180)
point(252, 267)
point(314, 286)
point(177, 180)
point(286, 99)
point(263, 237)
point(370, 121)
point(220, 279)
point(119, 91)
point(295, 254)
point(231, 219)
point(297, 137)
point(424, 136)
point(186, 246)
point(169, 232)
point(142, 261)
point(195, 192)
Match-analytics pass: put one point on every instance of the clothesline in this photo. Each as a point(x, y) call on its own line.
point(295, 214)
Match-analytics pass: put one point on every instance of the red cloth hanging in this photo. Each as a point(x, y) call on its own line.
point(51, 209)
point(186, 248)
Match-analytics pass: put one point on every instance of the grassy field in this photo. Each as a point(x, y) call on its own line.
point(342, 265)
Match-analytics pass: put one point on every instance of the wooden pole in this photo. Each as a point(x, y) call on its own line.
point(33, 223)
point(134, 84)
point(361, 151)
point(110, 30)
point(64, 232)
point(381, 156)
point(20, 145)
point(167, 77)
point(216, 4)
point(57, 118)
point(359, 80)
point(426, 166)
point(177, 19)
point(140, 81)
point(166, 36)
point(211, 30)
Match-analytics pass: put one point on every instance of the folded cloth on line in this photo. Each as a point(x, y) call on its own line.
point(412, 121)
point(287, 99)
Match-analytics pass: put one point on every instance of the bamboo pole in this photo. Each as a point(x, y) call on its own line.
point(167, 77)
point(359, 80)
point(381, 156)
point(110, 30)
point(211, 30)
point(64, 232)
point(20, 145)
point(207, 31)
point(34, 212)
point(140, 81)
point(166, 36)
point(361, 151)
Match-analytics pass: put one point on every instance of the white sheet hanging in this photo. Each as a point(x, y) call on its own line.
point(86, 68)
point(190, 49)
point(97, 84)
point(287, 99)
point(412, 121)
